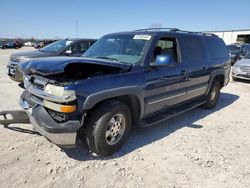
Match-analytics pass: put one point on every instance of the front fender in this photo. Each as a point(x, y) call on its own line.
point(97, 97)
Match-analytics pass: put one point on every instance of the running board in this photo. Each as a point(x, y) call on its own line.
point(13, 116)
point(165, 115)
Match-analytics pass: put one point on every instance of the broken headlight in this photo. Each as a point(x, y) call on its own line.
point(59, 91)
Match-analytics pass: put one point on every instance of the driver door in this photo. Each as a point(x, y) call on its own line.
point(165, 85)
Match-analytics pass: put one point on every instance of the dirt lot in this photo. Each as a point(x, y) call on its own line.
point(201, 148)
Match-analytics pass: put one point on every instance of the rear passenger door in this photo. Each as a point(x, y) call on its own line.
point(194, 57)
point(165, 85)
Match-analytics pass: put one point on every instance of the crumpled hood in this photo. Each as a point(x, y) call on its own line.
point(56, 65)
point(30, 54)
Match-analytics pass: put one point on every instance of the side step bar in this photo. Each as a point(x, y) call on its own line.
point(165, 115)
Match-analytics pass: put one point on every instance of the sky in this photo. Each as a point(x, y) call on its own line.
point(58, 18)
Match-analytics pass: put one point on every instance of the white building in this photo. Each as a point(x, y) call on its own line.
point(233, 36)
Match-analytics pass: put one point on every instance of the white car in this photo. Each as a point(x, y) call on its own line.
point(29, 43)
point(241, 68)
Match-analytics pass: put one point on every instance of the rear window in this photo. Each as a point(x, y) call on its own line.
point(216, 48)
point(193, 49)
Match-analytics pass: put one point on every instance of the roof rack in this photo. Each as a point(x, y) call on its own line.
point(157, 28)
point(177, 30)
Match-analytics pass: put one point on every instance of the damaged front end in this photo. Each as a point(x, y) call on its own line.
point(54, 109)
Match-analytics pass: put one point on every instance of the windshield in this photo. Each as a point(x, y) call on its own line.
point(247, 56)
point(120, 48)
point(233, 49)
point(56, 46)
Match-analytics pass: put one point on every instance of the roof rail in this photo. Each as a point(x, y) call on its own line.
point(157, 28)
point(177, 30)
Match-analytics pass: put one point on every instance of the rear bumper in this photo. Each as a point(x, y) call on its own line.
point(61, 134)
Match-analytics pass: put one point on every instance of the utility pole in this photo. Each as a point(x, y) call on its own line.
point(76, 28)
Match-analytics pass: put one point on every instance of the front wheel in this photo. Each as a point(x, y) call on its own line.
point(213, 95)
point(108, 127)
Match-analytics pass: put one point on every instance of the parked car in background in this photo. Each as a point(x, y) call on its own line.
point(43, 43)
point(15, 45)
point(66, 47)
point(241, 69)
point(237, 51)
point(138, 78)
point(30, 44)
point(1, 44)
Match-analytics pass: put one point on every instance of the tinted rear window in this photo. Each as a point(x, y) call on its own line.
point(193, 49)
point(216, 48)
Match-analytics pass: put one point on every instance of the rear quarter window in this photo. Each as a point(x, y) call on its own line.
point(193, 49)
point(216, 48)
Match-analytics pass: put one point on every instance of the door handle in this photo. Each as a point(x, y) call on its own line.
point(183, 72)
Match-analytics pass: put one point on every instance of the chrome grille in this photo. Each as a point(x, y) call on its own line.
point(245, 68)
point(14, 59)
point(30, 80)
point(39, 84)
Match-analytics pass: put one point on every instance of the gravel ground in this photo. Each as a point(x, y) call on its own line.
point(201, 148)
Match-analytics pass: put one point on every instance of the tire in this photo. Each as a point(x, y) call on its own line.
point(108, 127)
point(213, 95)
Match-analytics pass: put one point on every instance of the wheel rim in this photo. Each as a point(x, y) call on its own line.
point(115, 129)
point(213, 95)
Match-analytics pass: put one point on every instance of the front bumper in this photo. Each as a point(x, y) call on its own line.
point(238, 73)
point(61, 134)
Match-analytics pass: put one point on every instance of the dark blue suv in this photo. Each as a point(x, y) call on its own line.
point(125, 79)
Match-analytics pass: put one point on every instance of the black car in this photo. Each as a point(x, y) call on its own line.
point(237, 51)
point(137, 78)
point(15, 45)
point(65, 47)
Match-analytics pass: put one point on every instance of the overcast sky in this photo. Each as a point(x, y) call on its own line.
point(58, 18)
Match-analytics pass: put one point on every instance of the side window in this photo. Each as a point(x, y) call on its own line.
point(216, 48)
point(79, 47)
point(193, 49)
point(244, 50)
point(166, 46)
point(83, 46)
point(74, 48)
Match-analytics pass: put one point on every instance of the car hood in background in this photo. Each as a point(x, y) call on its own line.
point(30, 54)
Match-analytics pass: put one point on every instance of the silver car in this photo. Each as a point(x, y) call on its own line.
point(241, 68)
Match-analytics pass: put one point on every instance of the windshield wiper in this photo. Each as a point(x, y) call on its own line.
point(109, 58)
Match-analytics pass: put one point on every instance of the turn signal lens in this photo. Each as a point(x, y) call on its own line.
point(59, 107)
point(67, 109)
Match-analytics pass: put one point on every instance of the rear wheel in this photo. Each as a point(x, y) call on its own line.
point(108, 127)
point(213, 95)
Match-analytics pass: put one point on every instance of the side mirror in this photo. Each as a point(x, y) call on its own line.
point(162, 60)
